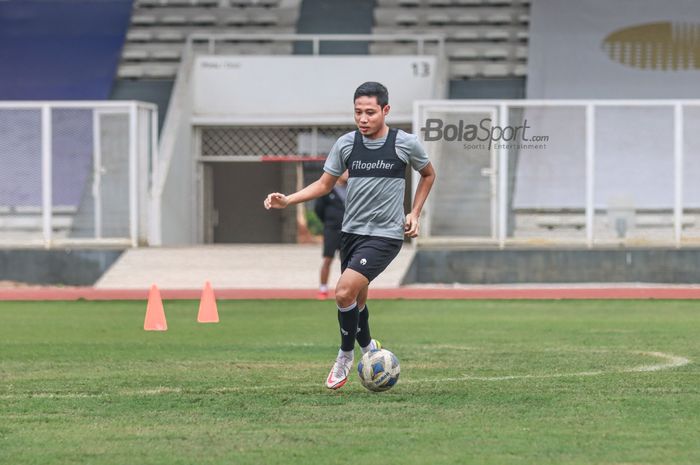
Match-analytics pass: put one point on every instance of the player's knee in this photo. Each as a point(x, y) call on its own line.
point(345, 296)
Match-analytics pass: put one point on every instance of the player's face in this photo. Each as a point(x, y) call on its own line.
point(369, 116)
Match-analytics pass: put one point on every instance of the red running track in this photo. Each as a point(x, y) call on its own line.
point(548, 293)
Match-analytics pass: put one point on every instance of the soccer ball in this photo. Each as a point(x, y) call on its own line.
point(379, 370)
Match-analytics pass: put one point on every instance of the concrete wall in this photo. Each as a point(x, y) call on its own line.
point(506, 88)
point(154, 91)
point(555, 266)
point(72, 267)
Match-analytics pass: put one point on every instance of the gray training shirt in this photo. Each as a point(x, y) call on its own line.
point(374, 205)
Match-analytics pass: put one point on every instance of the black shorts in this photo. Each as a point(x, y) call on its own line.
point(331, 241)
point(368, 255)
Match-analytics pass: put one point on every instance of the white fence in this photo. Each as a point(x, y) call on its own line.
point(589, 172)
point(76, 172)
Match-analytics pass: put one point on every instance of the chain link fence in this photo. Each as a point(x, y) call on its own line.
point(67, 172)
point(283, 142)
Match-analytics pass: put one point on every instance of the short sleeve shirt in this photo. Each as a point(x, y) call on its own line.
point(374, 205)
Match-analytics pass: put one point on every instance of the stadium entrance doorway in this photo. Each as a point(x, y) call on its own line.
point(233, 194)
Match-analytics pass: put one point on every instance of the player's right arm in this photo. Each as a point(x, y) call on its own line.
point(334, 164)
point(313, 191)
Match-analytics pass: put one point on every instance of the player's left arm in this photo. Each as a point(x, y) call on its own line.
point(427, 178)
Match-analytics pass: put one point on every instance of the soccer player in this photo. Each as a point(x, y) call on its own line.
point(374, 225)
point(330, 209)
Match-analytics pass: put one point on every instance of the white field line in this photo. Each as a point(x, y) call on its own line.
point(668, 361)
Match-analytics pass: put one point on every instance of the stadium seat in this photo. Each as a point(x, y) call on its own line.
point(499, 18)
point(467, 35)
point(467, 19)
point(496, 70)
point(134, 55)
point(499, 53)
point(139, 36)
point(143, 20)
point(166, 55)
point(173, 20)
point(238, 19)
point(265, 19)
point(130, 72)
point(463, 70)
point(148, 3)
point(438, 19)
point(406, 19)
point(463, 53)
point(393, 48)
point(497, 35)
point(204, 20)
point(274, 48)
point(159, 71)
point(170, 36)
point(439, 3)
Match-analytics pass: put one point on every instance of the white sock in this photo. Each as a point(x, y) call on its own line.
point(349, 354)
point(323, 288)
point(369, 347)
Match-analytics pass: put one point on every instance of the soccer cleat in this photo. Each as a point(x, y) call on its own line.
point(339, 373)
point(373, 345)
point(322, 295)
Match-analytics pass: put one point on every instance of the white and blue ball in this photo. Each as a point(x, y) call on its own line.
point(379, 370)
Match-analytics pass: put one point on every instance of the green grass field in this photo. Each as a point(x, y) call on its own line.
point(483, 382)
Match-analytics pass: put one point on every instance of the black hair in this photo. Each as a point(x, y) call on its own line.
point(373, 89)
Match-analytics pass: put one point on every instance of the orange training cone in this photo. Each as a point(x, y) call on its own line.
point(208, 312)
point(155, 315)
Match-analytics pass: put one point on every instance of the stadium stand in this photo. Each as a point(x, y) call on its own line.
point(159, 29)
point(484, 38)
point(336, 17)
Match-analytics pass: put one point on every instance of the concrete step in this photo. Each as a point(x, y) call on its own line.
point(274, 266)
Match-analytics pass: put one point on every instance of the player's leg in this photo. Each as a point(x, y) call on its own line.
point(350, 284)
point(331, 243)
point(376, 254)
point(362, 297)
point(346, 292)
point(364, 335)
point(325, 272)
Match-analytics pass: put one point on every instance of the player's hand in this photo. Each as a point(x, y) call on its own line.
point(276, 200)
point(411, 227)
